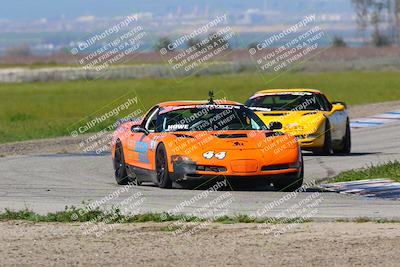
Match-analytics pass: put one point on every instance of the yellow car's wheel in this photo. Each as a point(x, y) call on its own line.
point(346, 143)
point(326, 149)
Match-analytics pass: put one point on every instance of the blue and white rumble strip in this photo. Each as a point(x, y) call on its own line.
point(377, 188)
point(376, 120)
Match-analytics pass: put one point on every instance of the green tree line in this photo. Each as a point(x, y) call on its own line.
point(381, 18)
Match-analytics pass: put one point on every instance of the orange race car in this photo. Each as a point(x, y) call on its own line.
point(183, 141)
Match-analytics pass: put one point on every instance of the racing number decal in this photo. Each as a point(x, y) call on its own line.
point(138, 151)
point(142, 148)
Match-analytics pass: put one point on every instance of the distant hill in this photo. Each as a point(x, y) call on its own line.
point(50, 25)
point(28, 9)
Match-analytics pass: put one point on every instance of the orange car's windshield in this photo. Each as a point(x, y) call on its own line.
point(208, 117)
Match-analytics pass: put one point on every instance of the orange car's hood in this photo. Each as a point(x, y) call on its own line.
point(230, 143)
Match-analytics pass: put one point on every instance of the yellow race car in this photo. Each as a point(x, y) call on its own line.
point(319, 125)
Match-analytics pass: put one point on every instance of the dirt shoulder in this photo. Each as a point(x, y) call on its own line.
point(359, 111)
point(309, 244)
point(70, 144)
point(58, 145)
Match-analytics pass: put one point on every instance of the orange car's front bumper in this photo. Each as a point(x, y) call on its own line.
point(191, 171)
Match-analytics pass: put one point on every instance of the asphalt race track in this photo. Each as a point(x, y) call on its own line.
point(48, 183)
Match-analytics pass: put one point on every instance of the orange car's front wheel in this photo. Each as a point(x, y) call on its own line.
point(163, 179)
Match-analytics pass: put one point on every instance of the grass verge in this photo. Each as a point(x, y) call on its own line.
point(42, 110)
point(73, 214)
point(114, 216)
point(390, 170)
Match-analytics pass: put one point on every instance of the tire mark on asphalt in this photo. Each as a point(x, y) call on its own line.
point(330, 172)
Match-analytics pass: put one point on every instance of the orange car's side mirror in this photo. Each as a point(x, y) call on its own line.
point(138, 129)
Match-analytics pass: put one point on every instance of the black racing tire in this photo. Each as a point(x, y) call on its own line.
point(163, 179)
point(326, 149)
point(346, 142)
point(121, 175)
point(291, 184)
